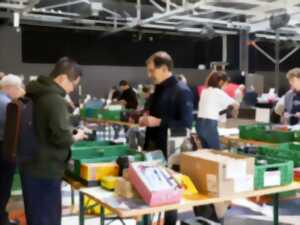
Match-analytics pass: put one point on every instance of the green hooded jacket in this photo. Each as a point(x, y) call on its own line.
point(53, 128)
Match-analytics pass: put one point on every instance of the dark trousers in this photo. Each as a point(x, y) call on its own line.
point(42, 199)
point(7, 171)
point(207, 131)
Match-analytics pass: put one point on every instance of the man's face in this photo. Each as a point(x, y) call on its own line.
point(123, 88)
point(295, 83)
point(156, 75)
point(68, 85)
point(14, 92)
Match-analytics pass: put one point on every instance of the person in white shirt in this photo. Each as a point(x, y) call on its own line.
point(213, 100)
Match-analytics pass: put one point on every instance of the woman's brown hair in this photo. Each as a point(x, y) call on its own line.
point(214, 79)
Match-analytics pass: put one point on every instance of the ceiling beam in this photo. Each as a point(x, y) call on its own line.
point(65, 4)
point(158, 17)
point(289, 5)
point(225, 23)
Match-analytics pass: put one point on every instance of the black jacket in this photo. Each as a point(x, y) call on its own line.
point(172, 102)
point(54, 131)
point(131, 98)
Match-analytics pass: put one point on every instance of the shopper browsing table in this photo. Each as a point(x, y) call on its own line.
point(128, 97)
point(11, 89)
point(213, 100)
point(171, 107)
point(42, 175)
point(289, 105)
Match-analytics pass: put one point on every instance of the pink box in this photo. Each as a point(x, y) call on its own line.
point(153, 198)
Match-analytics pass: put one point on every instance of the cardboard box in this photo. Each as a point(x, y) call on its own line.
point(218, 173)
point(263, 115)
point(125, 189)
point(155, 184)
point(97, 171)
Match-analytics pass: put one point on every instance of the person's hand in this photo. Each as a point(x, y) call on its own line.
point(286, 115)
point(235, 110)
point(149, 121)
point(80, 135)
point(123, 102)
point(87, 130)
point(297, 114)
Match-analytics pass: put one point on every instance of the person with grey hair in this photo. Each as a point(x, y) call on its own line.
point(11, 88)
point(2, 75)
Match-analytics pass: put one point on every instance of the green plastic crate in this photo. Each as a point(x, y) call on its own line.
point(263, 132)
point(96, 151)
point(295, 146)
point(95, 147)
point(288, 151)
point(92, 143)
point(281, 169)
point(89, 113)
point(101, 114)
point(109, 115)
point(277, 136)
point(87, 153)
point(251, 132)
point(108, 154)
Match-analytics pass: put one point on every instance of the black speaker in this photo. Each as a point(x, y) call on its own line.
point(278, 21)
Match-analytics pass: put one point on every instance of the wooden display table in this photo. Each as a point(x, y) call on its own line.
point(111, 122)
point(234, 140)
point(75, 186)
point(136, 208)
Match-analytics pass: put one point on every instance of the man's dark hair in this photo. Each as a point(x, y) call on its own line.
point(146, 89)
point(68, 67)
point(161, 59)
point(215, 77)
point(124, 83)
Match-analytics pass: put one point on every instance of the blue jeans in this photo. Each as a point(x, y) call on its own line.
point(42, 199)
point(207, 131)
point(7, 171)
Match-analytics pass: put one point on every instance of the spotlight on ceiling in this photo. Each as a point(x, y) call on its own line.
point(208, 32)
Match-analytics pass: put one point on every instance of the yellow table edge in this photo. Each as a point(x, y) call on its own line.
point(186, 204)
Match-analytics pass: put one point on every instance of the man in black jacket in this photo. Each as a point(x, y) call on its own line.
point(128, 96)
point(171, 107)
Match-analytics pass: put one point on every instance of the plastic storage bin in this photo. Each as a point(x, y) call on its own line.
point(264, 132)
point(101, 114)
point(98, 155)
point(271, 172)
point(92, 144)
point(288, 151)
point(252, 131)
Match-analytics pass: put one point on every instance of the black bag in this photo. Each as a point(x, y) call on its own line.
point(20, 140)
point(11, 131)
point(28, 142)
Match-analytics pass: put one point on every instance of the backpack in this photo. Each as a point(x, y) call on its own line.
point(24, 134)
point(11, 131)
